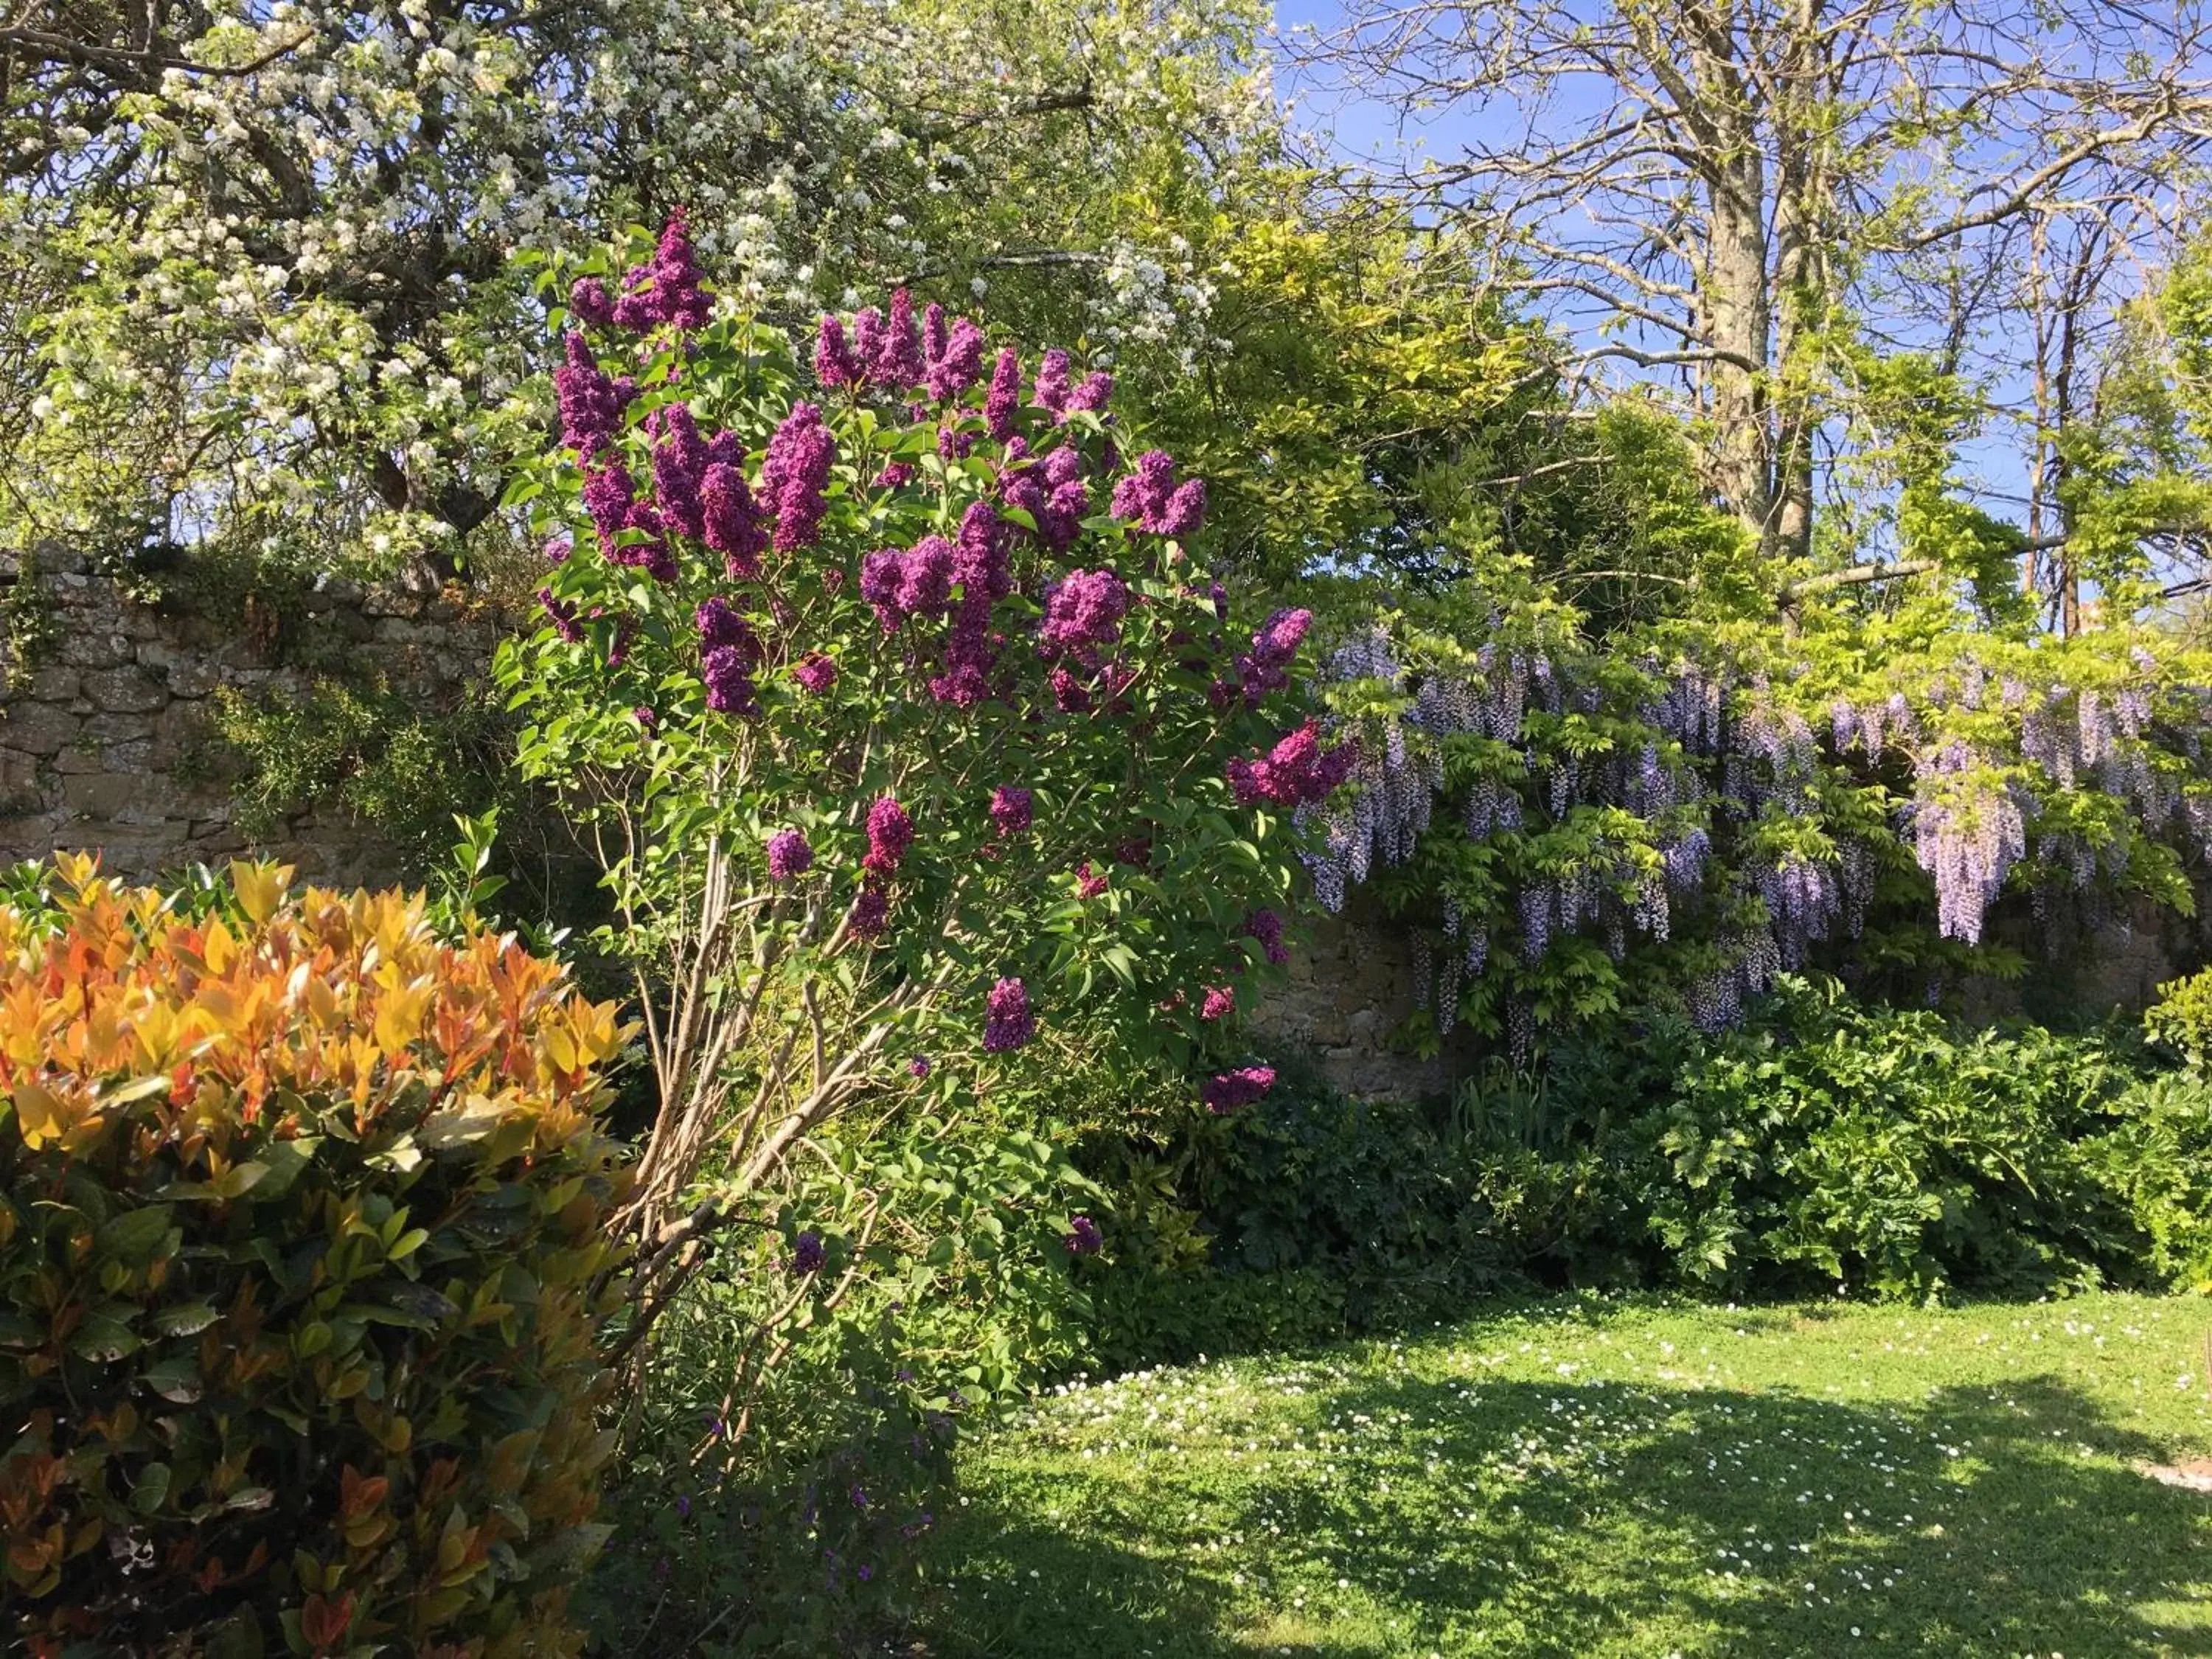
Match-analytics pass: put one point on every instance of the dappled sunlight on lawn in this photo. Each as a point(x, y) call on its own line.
point(1596, 1478)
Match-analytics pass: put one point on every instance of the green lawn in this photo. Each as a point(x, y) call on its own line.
point(1613, 1478)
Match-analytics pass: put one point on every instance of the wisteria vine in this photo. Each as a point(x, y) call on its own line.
point(1523, 795)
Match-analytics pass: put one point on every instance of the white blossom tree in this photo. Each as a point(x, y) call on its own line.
point(257, 255)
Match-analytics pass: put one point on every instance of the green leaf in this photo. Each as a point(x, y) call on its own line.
point(104, 1337)
point(151, 1489)
point(182, 1318)
point(175, 1377)
point(134, 1235)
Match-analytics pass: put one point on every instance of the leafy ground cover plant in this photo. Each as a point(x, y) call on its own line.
point(1824, 1147)
point(304, 1264)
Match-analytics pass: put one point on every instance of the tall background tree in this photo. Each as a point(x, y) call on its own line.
point(257, 280)
point(1851, 241)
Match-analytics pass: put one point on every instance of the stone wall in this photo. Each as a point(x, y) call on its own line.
point(1350, 987)
point(105, 744)
point(105, 740)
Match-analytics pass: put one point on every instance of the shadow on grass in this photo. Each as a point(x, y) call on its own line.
point(1519, 1519)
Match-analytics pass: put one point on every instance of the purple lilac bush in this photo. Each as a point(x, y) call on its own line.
point(906, 709)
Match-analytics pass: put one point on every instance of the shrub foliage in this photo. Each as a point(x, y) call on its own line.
point(301, 1269)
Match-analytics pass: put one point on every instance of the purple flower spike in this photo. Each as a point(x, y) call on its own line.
point(590, 303)
point(1008, 1023)
point(897, 363)
point(807, 1255)
point(890, 832)
point(835, 365)
point(789, 857)
point(1051, 391)
point(795, 477)
point(1010, 811)
point(1226, 1091)
point(1005, 400)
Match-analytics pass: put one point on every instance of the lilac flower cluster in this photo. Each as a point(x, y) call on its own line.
point(954, 358)
point(1008, 1023)
point(795, 478)
point(915, 583)
point(1220, 1002)
point(1004, 400)
point(563, 615)
point(980, 568)
point(591, 403)
point(1150, 498)
point(664, 290)
point(836, 365)
point(814, 673)
point(679, 466)
point(733, 520)
point(900, 364)
point(891, 833)
point(729, 652)
point(1266, 666)
point(870, 911)
point(630, 531)
point(1051, 492)
point(1010, 811)
point(1226, 1091)
point(1268, 928)
point(1083, 615)
point(807, 1255)
point(1297, 772)
point(1083, 1236)
point(1051, 389)
point(789, 857)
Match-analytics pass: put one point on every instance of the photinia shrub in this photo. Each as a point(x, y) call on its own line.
point(303, 1263)
point(921, 752)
